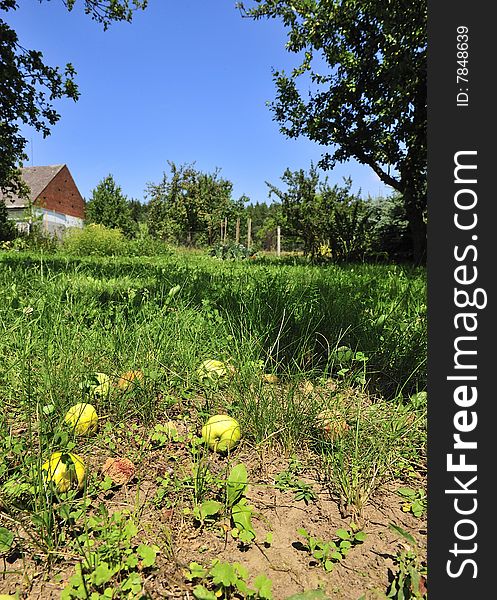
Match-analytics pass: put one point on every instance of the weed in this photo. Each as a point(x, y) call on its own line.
point(328, 553)
point(224, 580)
point(415, 501)
point(409, 580)
point(112, 564)
point(288, 481)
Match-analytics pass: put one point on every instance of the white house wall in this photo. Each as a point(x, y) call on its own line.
point(55, 223)
point(52, 222)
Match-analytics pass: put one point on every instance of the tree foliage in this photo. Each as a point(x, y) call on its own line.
point(108, 206)
point(8, 229)
point(28, 87)
point(364, 63)
point(188, 205)
point(324, 216)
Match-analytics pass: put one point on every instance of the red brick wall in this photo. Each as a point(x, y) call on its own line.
point(62, 195)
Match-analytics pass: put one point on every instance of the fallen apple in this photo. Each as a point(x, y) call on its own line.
point(82, 418)
point(65, 470)
point(129, 379)
point(270, 378)
point(101, 385)
point(120, 470)
point(332, 424)
point(221, 433)
point(213, 370)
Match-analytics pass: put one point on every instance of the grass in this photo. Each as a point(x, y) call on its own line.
point(350, 339)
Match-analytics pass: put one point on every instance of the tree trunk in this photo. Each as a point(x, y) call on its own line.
point(417, 225)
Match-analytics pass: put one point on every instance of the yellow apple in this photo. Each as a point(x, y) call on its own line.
point(66, 470)
point(221, 433)
point(82, 418)
point(270, 378)
point(103, 385)
point(212, 369)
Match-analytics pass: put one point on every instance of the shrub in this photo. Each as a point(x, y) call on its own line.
point(94, 240)
point(230, 251)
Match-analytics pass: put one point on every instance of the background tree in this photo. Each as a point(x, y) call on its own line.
point(391, 228)
point(109, 206)
point(28, 86)
point(8, 230)
point(138, 211)
point(323, 215)
point(366, 68)
point(187, 206)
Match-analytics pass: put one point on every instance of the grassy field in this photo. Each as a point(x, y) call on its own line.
point(324, 368)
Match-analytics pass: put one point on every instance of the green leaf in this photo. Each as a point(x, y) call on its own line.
point(196, 571)
point(6, 539)
point(246, 536)
point(406, 492)
point(241, 515)
point(328, 565)
point(240, 570)
point(130, 530)
point(102, 574)
point(264, 586)
point(202, 593)
point(236, 484)
point(210, 508)
point(223, 574)
point(148, 554)
point(360, 536)
point(343, 534)
point(132, 561)
point(407, 536)
point(269, 538)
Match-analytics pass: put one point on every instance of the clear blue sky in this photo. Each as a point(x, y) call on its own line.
point(187, 81)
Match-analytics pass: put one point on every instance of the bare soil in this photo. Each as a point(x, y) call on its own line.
point(363, 574)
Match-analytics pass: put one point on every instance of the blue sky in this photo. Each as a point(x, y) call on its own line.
point(187, 81)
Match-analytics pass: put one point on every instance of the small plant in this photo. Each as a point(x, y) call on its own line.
point(224, 580)
point(352, 364)
point(409, 582)
point(112, 562)
point(288, 481)
point(328, 553)
point(230, 251)
point(235, 506)
point(415, 501)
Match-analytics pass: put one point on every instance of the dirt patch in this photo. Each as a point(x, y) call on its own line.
point(363, 573)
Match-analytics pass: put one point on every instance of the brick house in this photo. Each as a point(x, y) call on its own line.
point(54, 200)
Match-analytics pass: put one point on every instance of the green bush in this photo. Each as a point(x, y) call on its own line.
point(230, 251)
point(94, 240)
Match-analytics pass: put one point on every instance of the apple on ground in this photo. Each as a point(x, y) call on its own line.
point(82, 418)
point(221, 433)
point(65, 470)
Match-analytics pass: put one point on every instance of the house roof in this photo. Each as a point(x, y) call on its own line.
point(37, 179)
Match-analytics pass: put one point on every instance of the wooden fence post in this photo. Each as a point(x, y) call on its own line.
point(278, 241)
point(237, 231)
point(249, 233)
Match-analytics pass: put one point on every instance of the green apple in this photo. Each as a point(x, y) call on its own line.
point(221, 433)
point(212, 369)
